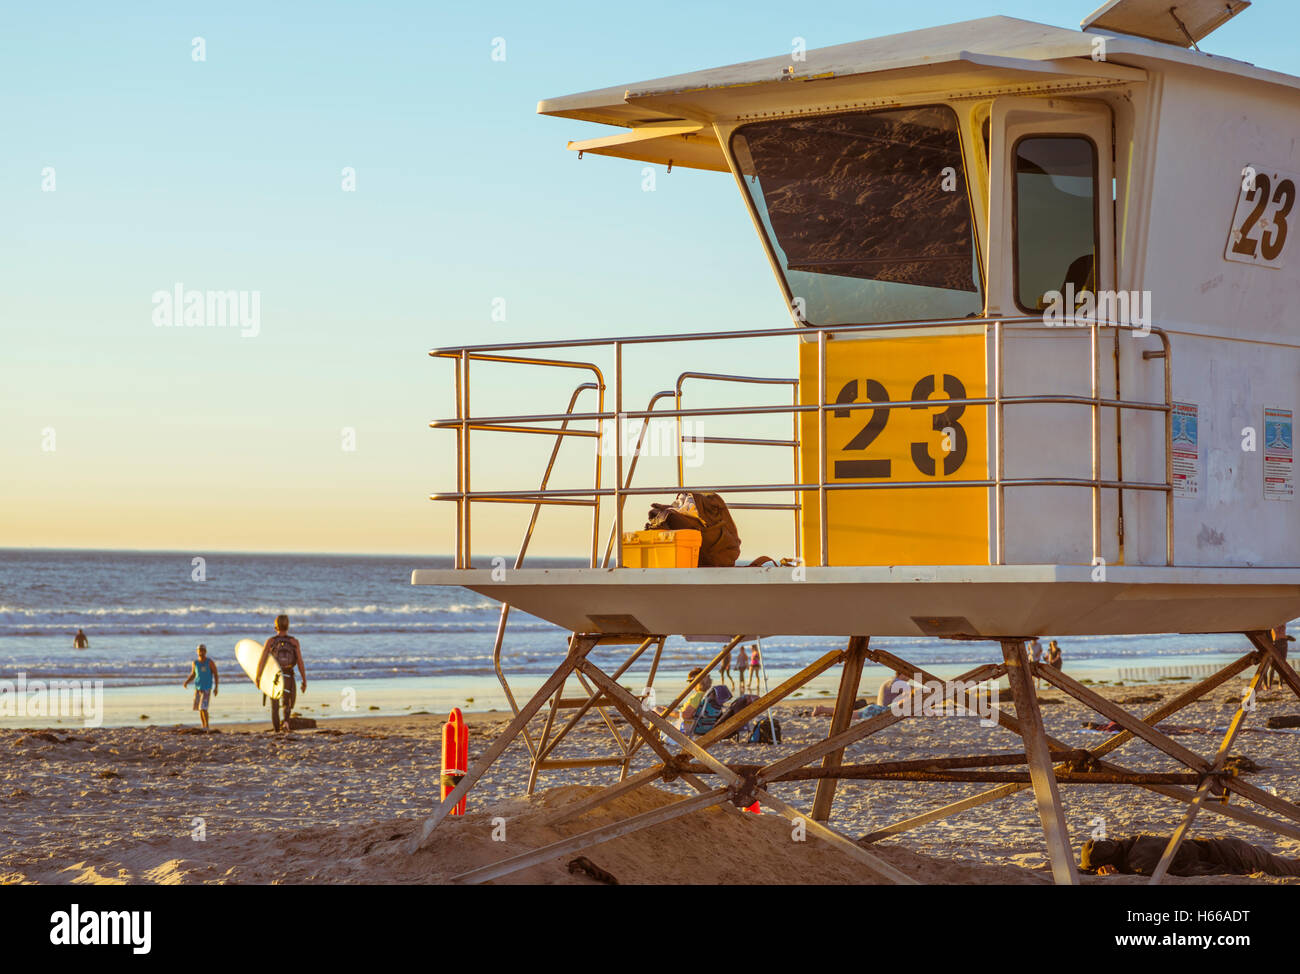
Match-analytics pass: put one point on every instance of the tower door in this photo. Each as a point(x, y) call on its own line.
point(1051, 247)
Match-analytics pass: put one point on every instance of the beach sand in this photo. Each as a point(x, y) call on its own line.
point(336, 804)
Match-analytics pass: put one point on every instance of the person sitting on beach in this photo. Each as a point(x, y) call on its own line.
point(890, 690)
point(80, 640)
point(686, 717)
point(821, 710)
point(287, 653)
point(203, 672)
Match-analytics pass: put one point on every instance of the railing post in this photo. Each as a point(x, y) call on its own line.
point(1169, 451)
point(600, 449)
point(460, 474)
point(618, 461)
point(821, 448)
point(1096, 440)
point(677, 420)
point(999, 493)
point(797, 496)
point(464, 458)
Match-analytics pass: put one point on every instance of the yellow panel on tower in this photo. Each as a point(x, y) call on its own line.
point(929, 444)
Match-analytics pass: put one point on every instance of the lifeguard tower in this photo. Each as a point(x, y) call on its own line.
point(1042, 291)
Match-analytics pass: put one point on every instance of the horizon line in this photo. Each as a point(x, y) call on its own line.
point(244, 551)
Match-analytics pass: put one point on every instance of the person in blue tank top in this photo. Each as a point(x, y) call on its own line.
point(203, 673)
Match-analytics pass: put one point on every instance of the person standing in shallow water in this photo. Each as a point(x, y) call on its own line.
point(288, 653)
point(1054, 654)
point(203, 673)
point(1036, 657)
point(81, 640)
point(724, 670)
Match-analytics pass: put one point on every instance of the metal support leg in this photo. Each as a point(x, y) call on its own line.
point(850, 680)
point(1040, 763)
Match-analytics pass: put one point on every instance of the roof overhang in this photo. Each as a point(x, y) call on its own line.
point(671, 118)
point(688, 144)
point(990, 56)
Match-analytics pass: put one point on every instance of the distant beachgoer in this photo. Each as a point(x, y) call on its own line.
point(203, 673)
point(742, 666)
point(1281, 642)
point(1054, 655)
point(821, 710)
point(890, 690)
point(724, 669)
point(1036, 655)
point(287, 653)
point(755, 662)
point(81, 640)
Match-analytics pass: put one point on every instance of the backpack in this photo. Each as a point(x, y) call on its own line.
point(282, 650)
point(709, 712)
point(767, 730)
point(707, 513)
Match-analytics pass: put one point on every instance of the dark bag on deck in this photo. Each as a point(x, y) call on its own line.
point(706, 513)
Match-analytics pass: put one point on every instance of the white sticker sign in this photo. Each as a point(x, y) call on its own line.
point(1279, 468)
point(1261, 224)
point(1184, 445)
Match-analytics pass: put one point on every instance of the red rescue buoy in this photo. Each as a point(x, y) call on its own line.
point(455, 756)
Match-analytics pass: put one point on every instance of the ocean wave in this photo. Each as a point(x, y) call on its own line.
point(249, 612)
point(177, 620)
point(244, 631)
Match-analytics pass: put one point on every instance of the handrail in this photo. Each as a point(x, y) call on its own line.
point(714, 336)
point(464, 423)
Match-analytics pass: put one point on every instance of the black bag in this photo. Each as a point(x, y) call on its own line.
point(283, 652)
point(767, 730)
point(708, 514)
point(737, 705)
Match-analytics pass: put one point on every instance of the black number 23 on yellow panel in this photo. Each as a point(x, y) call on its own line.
point(935, 438)
point(954, 444)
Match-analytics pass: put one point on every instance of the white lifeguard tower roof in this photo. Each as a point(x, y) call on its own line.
point(671, 117)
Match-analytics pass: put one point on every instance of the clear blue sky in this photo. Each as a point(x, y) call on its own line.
point(226, 174)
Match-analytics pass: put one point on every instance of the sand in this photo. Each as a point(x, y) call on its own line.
point(336, 804)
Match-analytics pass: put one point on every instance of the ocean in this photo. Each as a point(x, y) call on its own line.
point(369, 637)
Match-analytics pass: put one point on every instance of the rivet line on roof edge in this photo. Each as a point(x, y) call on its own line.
point(923, 99)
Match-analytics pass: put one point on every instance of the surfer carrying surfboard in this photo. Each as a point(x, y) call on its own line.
point(287, 653)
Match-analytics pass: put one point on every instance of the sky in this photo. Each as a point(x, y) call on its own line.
point(132, 168)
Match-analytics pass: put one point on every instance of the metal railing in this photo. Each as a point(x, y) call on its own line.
point(464, 423)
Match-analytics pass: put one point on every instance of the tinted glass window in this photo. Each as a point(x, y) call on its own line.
point(1056, 217)
point(868, 213)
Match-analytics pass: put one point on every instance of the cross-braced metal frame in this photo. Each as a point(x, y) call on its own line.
point(1049, 762)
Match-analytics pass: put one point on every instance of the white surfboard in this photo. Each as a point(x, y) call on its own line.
point(249, 652)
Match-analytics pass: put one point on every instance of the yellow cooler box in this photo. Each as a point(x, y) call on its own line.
point(661, 549)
